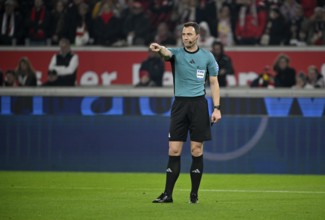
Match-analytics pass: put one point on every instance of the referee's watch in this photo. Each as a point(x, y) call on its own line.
point(216, 107)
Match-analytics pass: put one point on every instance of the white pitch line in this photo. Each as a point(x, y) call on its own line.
point(259, 191)
point(152, 189)
point(56, 188)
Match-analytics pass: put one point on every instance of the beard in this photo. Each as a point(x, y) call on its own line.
point(189, 44)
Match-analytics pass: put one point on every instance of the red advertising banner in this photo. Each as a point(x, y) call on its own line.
point(106, 66)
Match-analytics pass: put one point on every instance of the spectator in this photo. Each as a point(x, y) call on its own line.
point(136, 26)
point(285, 76)
point(207, 11)
point(10, 79)
point(234, 12)
point(155, 68)
point(107, 27)
point(178, 35)
point(315, 78)
point(24, 7)
point(225, 30)
point(264, 79)
point(52, 77)
point(276, 29)
point(316, 27)
point(125, 9)
point(288, 9)
point(184, 11)
point(37, 24)
point(251, 22)
point(205, 40)
point(100, 6)
point(301, 82)
point(1, 78)
point(25, 73)
point(224, 61)
point(298, 28)
point(57, 20)
point(65, 63)
point(10, 23)
point(160, 11)
point(163, 35)
point(84, 23)
point(71, 22)
point(308, 7)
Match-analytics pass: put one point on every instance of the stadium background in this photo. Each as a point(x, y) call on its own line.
point(120, 128)
point(115, 127)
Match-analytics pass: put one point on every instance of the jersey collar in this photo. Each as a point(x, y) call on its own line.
point(198, 48)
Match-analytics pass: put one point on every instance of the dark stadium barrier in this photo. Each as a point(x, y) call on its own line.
point(257, 134)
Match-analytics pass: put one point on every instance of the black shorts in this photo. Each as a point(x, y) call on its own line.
point(190, 115)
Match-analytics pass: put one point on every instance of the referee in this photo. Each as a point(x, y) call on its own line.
point(191, 66)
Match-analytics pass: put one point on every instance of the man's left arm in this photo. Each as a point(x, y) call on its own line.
point(215, 93)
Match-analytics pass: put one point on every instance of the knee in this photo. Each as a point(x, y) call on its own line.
point(173, 152)
point(197, 150)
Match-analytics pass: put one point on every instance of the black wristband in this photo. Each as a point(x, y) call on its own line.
point(216, 107)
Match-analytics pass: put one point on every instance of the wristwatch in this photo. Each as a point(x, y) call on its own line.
point(216, 107)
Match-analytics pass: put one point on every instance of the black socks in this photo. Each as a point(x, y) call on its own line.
point(173, 170)
point(196, 173)
point(172, 173)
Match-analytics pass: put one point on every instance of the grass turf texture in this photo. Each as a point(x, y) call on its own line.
point(65, 195)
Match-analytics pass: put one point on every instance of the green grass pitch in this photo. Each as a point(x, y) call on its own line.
point(79, 195)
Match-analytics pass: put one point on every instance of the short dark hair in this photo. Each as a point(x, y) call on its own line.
point(195, 25)
point(302, 76)
point(215, 43)
point(12, 72)
point(65, 40)
point(218, 43)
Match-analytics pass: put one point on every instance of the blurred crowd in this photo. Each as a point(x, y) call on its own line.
point(283, 75)
point(138, 22)
point(120, 23)
point(62, 71)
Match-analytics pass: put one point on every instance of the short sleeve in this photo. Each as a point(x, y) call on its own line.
point(213, 66)
point(172, 50)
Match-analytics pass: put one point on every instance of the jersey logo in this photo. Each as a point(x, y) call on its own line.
point(200, 74)
point(192, 61)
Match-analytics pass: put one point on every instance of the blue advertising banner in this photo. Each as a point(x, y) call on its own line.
point(139, 143)
point(91, 106)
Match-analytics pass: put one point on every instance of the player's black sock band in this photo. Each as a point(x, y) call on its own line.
point(172, 173)
point(196, 173)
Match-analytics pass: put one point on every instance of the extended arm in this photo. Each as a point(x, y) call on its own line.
point(163, 51)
